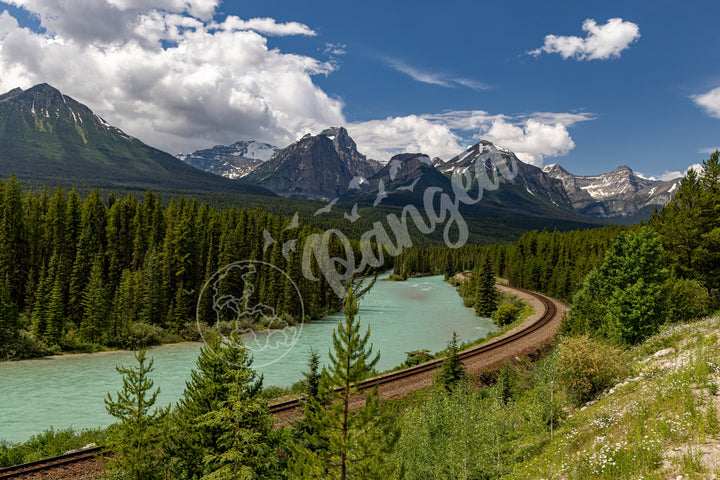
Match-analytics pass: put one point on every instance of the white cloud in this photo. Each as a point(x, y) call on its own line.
point(174, 81)
point(710, 101)
point(180, 81)
point(335, 49)
point(267, 26)
point(601, 42)
point(447, 134)
point(565, 119)
point(433, 78)
point(698, 167)
point(381, 139)
point(673, 174)
point(533, 140)
point(708, 151)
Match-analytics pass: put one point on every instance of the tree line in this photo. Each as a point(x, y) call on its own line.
point(78, 273)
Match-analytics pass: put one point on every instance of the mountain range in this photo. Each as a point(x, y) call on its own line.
point(48, 138)
point(620, 194)
point(328, 166)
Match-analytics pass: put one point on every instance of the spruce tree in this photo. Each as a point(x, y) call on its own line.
point(245, 445)
point(9, 323)
point(452, 372)
point(486, 296)
point(449, 269)
point(214, 386)
point(622, 299)
point(345, 443)
point(94, 303)
point(133, 439)
point(312, 401)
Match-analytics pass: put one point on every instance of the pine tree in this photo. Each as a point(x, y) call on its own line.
point(245, 445)
point(94, 302)
point(347, 443)
point(124, 310)
point(56, 308)
point(312, 401)
point(133, 439)
point(452, 372)
point(211, 389)
point(486, 295)
point(449, 268)
point(152, 293)
point(9, 322)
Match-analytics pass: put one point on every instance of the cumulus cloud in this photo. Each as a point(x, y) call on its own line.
point(601, 42)
point(169, 73)
point(381, 139)
point(447, 134)
point(433, 78)
point(175, 81)
point(710, 101)
point(533, 140)
point(268, 26)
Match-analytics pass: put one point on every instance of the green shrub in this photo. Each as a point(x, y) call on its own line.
point(506, 314)
point(685, 300)
point(416, 357)
point(585, 367)
point(140, 334)
point(49, 443)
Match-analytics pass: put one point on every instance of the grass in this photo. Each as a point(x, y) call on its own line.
point(659, 423)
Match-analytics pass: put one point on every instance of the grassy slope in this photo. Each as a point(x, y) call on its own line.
point(659, 423)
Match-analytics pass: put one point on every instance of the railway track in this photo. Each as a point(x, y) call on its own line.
point(36, 469)
point(498, 347)
point(494, 345)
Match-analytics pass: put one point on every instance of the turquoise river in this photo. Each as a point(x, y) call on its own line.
point(69, 390)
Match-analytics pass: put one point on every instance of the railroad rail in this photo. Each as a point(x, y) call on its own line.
point(499, 347)
point(53, 463)
point(493, 345)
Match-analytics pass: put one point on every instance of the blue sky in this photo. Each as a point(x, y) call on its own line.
point(589, 85)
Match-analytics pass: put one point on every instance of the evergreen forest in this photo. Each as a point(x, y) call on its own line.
point(632, 339)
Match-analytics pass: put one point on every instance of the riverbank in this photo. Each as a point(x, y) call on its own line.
point(69, 390)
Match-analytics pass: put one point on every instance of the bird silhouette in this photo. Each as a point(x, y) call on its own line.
point(353, 215)
point(381, 194)
point(326, 208)
point(410, 187)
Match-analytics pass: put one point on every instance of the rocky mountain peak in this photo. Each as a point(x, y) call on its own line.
point(341, 139)
point(555, 170)
point(623, 169)
point(620, 195)
point(493, 159)
point(230, 161)
point(48, 105)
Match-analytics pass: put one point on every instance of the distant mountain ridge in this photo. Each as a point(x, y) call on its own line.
point(615, 195)
point(49, 138)
point(328, 165)
point(231, 161)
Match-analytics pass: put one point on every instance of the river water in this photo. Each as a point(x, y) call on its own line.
point(69, 390)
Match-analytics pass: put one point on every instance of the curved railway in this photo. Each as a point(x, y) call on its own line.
point(58, 464)
point(541, 326)
point(537, 330)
